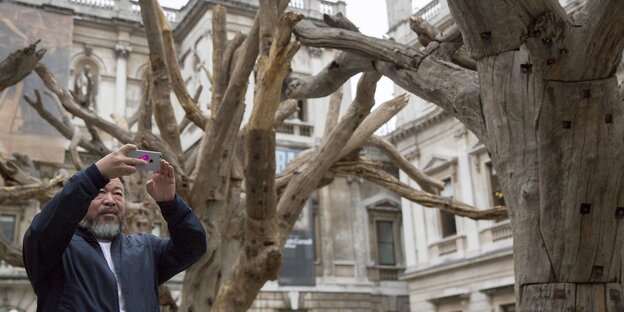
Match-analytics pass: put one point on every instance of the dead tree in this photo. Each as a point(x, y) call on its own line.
point(544, 101)
point(229, 180)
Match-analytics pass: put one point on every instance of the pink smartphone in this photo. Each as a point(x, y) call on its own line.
point(152, 158)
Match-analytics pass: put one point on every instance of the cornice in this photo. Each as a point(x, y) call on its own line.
point(413, 127)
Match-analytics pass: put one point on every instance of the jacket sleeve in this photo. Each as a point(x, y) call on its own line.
point(187, 241)
point(52, 229)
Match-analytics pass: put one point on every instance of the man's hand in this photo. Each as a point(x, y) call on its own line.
point(117, 164)
point(162, 184)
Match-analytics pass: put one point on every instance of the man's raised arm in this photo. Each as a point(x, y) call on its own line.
point(188, 238)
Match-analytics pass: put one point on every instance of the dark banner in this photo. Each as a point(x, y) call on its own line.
point(22, 130)
point(298, 254)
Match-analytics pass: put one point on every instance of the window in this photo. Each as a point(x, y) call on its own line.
point(447, 220)
point(385, 243)
point(7, 226)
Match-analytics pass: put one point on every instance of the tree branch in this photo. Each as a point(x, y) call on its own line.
point(368, 171)
point(301, 186)
point(447, 47)
point(285, 110)
point(328, 80)
point(148, 139)
point(63, 127)
point(73, 149)
point(219, 136)
point(161, 85)
point(426, 182)
point(333, 113)
point(372, 122)
point(19, 64)
point(71, 106)
point(192, 110)
point(219, 41)
point(453, 88)
point(41, 191)
point(260, 173)
point(379, 49)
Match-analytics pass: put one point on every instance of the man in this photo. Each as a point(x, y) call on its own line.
point(78, 260)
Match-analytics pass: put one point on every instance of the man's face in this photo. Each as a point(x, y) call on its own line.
point(109, 205)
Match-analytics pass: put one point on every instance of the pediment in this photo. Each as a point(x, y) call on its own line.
point(382, 201)
point(438, 162)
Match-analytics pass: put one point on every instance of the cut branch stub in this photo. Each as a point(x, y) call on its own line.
point(273, 69)
point(19, 64)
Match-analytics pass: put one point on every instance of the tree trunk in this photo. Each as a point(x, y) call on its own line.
point(553, 116)
point(557, 146)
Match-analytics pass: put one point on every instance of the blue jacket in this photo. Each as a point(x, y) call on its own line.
point(66, 266)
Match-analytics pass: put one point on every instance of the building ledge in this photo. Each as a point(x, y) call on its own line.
point(458, 263)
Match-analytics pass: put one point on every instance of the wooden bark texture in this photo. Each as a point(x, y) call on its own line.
point(554, 136)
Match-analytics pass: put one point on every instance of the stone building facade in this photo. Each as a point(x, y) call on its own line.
point(357, 232)
point(453, 264)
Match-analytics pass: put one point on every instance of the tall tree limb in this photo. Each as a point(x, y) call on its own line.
point(219, 137)
point(260, 174)
point(189, 104)
point(219, 42)
point(161, 85)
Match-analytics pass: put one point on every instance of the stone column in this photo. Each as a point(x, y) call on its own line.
point(122, 51)
point(465, 181)
point(327, 242)
point(360, 243)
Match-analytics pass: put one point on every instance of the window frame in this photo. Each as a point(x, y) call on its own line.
point(385, 213)
point(16, 223)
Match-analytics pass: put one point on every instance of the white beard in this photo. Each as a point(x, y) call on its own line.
point(102, 231)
